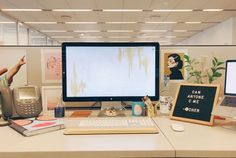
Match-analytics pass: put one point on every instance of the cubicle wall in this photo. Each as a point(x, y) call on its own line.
point(32, 72)
point(204, 54)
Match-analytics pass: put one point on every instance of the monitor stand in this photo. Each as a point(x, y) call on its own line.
point(111, 104)
point(111, 109)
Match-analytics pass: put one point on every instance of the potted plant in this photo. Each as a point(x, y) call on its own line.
point(193, 68)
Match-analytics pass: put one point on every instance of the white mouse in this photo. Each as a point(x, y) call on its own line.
point(177, 127)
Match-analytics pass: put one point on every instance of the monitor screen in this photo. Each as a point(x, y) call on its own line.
point(110, 71)
point(230, 77)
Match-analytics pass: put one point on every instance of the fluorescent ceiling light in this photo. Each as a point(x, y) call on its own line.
point(153, 30)
point(81, 22)
point(62, 36)
point(91, 37)
point(170, 36)
point(120, 30)
point(84, 31)
point(7, 22)
point(122, 10)
point(120, 37)
point(193, 22)
point(172, 10)
point(39, 37)
point(53, 31)
point(179, 30)
point(32, 22)
point(160, 22)
point(121, 22)
point(147, 37)
point(23, 10)
point(212, 10)
point(72, 10)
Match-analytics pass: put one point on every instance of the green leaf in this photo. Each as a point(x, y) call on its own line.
point(217, 74)
point(186, 57)
point(216, 60)
point(219, 63)
point(213, 62)
point(187, 66)
point(213, 70)
point(220, 68)
point(209, 77)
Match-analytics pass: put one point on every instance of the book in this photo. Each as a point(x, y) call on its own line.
point(34, 126)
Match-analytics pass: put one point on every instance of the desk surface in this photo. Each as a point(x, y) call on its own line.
point(199, 140)
point(195, 141)
point(55, 144)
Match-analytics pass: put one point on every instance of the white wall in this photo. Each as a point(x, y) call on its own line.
point(220, 34)
point(1, 34)
point(234, 31)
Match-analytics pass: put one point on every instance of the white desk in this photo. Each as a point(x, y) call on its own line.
point(195, 141)
point(55, 144)
point(199, 140)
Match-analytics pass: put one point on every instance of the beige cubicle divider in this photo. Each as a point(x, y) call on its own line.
point(204, 54)
point(32, 74)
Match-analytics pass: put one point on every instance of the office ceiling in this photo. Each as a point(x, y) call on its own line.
point(166, 21)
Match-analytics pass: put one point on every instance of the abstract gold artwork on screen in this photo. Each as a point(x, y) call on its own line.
point(76, 88)
point(130, 54)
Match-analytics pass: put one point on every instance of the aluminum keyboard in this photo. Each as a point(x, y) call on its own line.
point(113, 125)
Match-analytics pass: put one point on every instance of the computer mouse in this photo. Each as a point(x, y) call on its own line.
point(177, 127)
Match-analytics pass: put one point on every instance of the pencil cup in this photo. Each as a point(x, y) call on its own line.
point(59, 111)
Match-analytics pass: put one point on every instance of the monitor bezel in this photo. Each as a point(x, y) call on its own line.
point(109, 44)
point(226, 69)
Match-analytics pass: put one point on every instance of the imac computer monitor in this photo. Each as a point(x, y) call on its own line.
point(110, 71)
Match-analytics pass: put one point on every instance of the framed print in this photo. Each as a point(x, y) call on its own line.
point(174, 64)
point(51, 65)
point(51, 96)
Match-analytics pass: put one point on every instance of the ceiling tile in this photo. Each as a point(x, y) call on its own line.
point(109, 4)
point(20, 4)
point(191, 4)
point(164, 4)
point(222, 16)
point(81, 4)
point(200, 16)
point(137, 4)
point(215, 4)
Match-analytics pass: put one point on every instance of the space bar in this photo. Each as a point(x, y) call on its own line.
point(88, 131)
